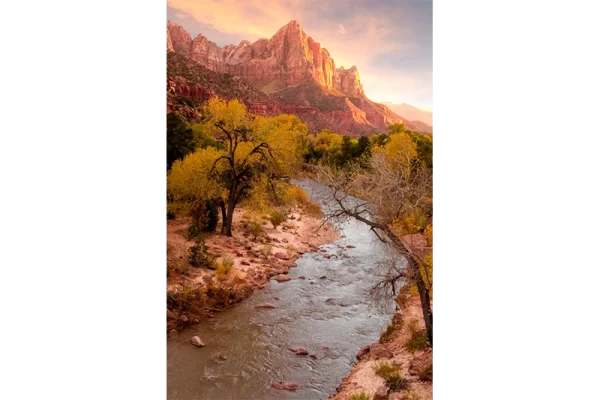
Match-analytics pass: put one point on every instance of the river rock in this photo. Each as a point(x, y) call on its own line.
point(378, 351)
point(381, 393)
point(313, 356)
point(281, 255)
point(283, 278)
point(301, 352)
point(327, 256)
point(323, 277)
point(285, 386)
point(273, 261)
point(171, 314)
point(362, 353)
point(196, 341)
point(266, 305)
point(302, 277)
point(350, 246)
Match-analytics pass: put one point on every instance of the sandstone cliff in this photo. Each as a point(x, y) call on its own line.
point(290, 56)
point(289, 73)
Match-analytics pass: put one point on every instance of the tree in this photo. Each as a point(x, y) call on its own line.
point(254, 153)
point(392, 189)
point(180, 138)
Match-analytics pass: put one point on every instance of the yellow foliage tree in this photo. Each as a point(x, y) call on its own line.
point(257, 152)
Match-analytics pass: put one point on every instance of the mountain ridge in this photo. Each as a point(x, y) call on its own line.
point(294, 71)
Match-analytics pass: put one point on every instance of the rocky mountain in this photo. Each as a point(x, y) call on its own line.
point(294, 72)
point(411, 112)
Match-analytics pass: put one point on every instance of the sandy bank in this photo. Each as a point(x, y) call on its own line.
point(256, 260)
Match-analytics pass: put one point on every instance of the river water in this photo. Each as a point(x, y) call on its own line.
point(255, 342)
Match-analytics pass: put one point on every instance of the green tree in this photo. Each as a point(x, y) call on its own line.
point(180, 139)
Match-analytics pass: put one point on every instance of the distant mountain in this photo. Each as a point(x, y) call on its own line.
point(295, 74)
point(411, 112)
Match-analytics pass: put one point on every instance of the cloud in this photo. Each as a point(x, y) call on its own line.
point(341, 29)
point(181, 15)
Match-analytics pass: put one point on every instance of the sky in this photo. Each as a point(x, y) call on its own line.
point(389, 41)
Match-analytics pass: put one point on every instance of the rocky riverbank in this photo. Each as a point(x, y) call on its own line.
point(404, 348)
point(194, 294)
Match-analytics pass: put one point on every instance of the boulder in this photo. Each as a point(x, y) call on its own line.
point(378, 351)
point(396, 396)
point(301, 352)
point(171, 314)
point(283, 278)
point(302, 277)
point(323, 277)
point(183, 319)
point(282, 256)
point(350, 246)
point(285, 386)
point(381, 393)
point(362, 353)
point(266, 305)
point(245, 263)
point(196, 341)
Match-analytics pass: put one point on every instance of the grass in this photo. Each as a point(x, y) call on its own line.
point(385, 368)
point(266, 250)
point(360, 396)
point(426, 374)
point(392, 376)
point(418, 341)
point(387, 334)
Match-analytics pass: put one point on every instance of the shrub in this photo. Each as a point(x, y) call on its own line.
point(427, 373)
point(418, 341)
point(385, 368)
point(205, 215)
point(313, 209)
point(397, 382)
point(182, 267)
point(227, 261)
point(387, 334)
point(194, 232)
point(198, 257)
point(255, 228)
point(212, 217)
point(266, 250)
point(360, 396)
point(170, 214)
point(277, 218)
point(391, 374)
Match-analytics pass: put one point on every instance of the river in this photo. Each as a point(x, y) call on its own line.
point(247, 348)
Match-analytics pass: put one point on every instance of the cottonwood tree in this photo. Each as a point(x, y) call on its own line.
point(255, 150)
point(392, 188)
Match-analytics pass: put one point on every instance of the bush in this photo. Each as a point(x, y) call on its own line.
point(411, 396)
point(266, 250)
point(197, 255)
point(387, 334)
point(227, 261)
point(255, 228)
point(277, 218)
point(222, 271)
point(205, 215)
point(385, 368)
point(418, 341)
point(397, 382)
point(391, 374)
point(182, 267)
point(295, 195)
point(427, 373)
point(313, 209)
point(194, 232)
point(360, 396)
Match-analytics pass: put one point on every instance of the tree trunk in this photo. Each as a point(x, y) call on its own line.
point(413, 268)
point(230, 208)
point(415, 274)
point(224, 214)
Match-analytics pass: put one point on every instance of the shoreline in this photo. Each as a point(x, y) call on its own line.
point(199, 293)
point(411, 363)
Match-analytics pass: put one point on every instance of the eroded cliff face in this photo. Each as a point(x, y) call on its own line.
point(289, 57)
point(289, 73)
